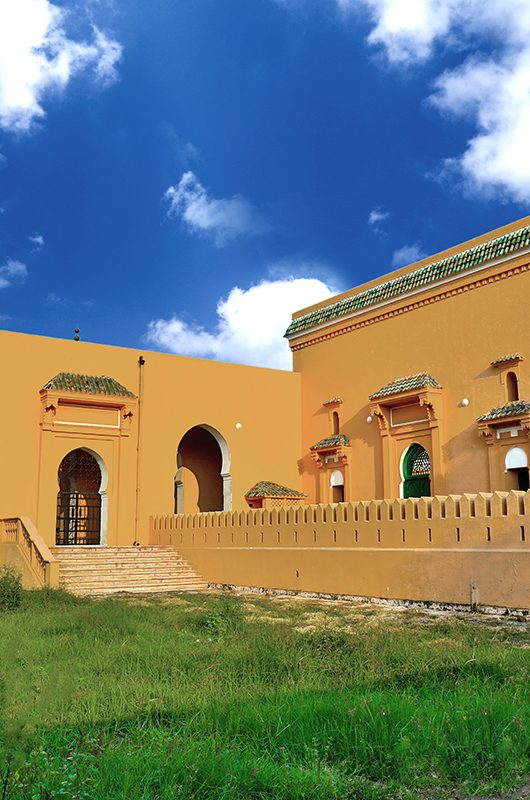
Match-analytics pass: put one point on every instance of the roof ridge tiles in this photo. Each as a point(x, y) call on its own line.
point(271, 489)
point(420, 380)
point(513, 409)
point(87, 384)
point(421, 277)
point(335, 440)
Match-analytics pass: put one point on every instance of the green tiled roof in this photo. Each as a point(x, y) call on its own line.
point(514, 409)
point(418, 381)
point(336, 440)
point(332, 401)
point(270, 489)
point(87, 384)
point(506, 359)
point(417, 279)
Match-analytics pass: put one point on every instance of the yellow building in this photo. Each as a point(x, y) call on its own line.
point(416, 383)
point(411, 385)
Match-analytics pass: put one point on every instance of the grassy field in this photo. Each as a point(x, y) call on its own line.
point(218, 697)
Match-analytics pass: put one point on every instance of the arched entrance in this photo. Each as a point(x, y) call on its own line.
point(416, 472)
point(203, 481)
point(81, 499)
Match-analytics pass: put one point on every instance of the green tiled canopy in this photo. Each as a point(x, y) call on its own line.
point(507, 359)
point(332, 401)
point(87, 384)
point(336, 440)
point(514, 409)
point(417, 279)
point(270, 489)
point(418, 381)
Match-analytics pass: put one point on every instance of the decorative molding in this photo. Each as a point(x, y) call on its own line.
point(403, 309)
point(377, 412)
point(427, 403)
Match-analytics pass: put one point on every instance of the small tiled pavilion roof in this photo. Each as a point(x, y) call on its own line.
point(336, 440)
point(507, 359)
point(514, 409)
point(417, 279)
point(270, 489)
point(333, 401)
point(87, 384)
point(420, 380)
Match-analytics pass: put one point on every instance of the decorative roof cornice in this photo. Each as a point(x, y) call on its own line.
point(513, 358)
point(421, 380)
point(517, 408)
point(330, 442)
point(333, 401)
point(417, 279)
point(86, 384)
point(270, 489)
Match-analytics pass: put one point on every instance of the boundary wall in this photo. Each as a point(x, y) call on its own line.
point(465, 549)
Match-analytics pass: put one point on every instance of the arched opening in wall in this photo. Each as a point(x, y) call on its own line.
point(516, 464)
point(512, 387)
point(337, 486)
point(203, 481)
point(416, 472)
point(81, 499)
point(335, 422)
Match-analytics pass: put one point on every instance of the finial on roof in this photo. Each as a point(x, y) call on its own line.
point(76, 335)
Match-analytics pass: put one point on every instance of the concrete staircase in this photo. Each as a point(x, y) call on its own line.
point(88, 570)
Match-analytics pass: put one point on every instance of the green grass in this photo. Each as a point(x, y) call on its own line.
point(247, 698)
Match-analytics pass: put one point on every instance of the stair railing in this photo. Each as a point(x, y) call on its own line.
point(22, 532)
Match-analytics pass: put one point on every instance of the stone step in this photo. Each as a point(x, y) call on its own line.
point(156, 562)
point(122, 569)
point(150, 586)
point(114, 580)
point(86, 548)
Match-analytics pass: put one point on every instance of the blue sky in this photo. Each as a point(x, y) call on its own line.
point(181, 175)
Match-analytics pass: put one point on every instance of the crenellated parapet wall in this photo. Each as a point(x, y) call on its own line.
point(470, 549)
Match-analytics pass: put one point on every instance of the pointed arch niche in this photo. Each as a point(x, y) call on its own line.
point(203, 481)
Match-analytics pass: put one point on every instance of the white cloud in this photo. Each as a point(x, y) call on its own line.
point(377, 215)
point(408, 254)
point(223, 219)
point(251, 324)
point(491, 88)
point(38, 240)
point(12, 272)
point(37, 56)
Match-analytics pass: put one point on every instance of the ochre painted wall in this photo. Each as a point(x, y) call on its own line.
point(453, 332)
point(178, 394)
point(473, 549)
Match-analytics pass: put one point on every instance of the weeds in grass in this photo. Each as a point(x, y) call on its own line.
point(202, 699)
point(10, 588)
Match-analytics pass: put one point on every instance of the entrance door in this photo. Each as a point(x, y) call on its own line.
point(416, 472)
point(79, 500)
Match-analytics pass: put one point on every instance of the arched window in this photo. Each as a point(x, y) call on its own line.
point(512, 387)
point(516, 463)
point(416, 471)
point(335, 422)
point(337, 486)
